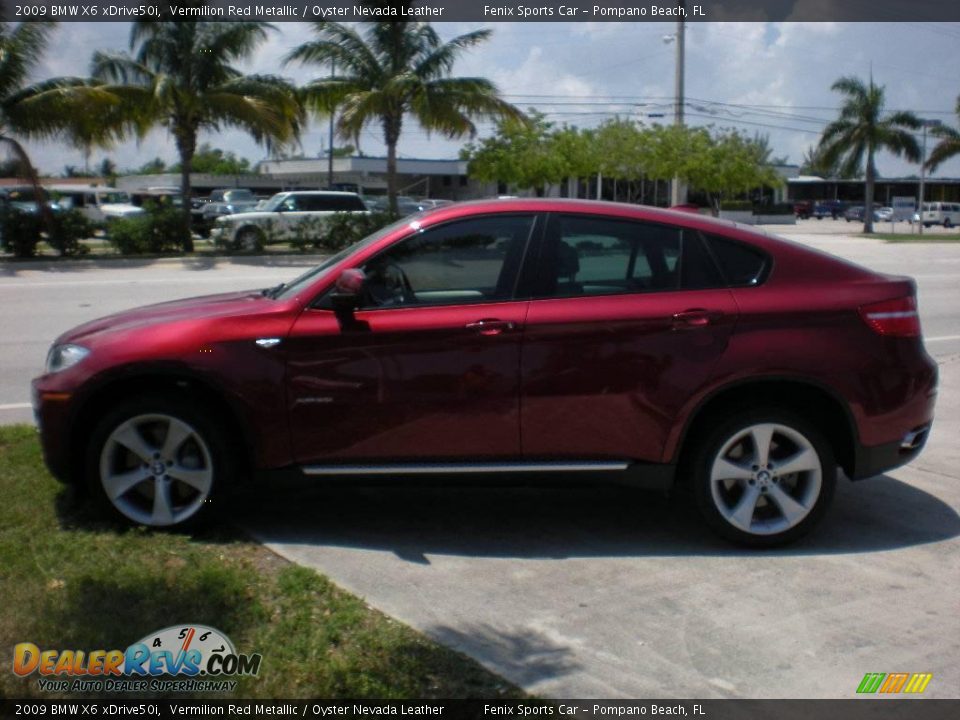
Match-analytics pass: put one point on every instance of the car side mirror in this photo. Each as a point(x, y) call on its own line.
point(347, 292)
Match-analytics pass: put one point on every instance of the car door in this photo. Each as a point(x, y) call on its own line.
point(428, 367)
point(628, 320)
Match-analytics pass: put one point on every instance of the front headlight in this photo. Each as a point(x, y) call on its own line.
point(62, 357)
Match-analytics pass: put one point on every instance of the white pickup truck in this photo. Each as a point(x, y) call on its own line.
point(281, 216)
point(99, 204)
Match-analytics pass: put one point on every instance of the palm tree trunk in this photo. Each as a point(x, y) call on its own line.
point(186, 147)
point(391, 135)
point(868, 194)
point(43, 211)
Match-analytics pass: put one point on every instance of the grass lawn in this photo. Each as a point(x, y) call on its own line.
point(915, 238)
point(71, 581)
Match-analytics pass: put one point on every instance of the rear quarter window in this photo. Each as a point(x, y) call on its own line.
point(741, 264)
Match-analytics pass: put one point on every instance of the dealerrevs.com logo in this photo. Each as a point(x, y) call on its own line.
point(180, 658)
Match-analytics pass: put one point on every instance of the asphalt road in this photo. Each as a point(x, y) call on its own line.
point(606, 592)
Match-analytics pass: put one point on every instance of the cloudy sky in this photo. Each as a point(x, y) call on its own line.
point(757, 77)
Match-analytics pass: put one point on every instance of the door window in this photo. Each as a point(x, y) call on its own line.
point(470, 261)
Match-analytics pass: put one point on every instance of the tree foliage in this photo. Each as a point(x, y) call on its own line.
point(214, 161)
point(854, 138)
point(181, 76)
point(388, 70)
point(537, 154)
point(949, 145)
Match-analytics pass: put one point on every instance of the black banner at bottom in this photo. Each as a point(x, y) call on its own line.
point(855, 709)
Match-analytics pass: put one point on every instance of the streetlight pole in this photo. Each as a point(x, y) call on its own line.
point(923, 161)
point(677, 194)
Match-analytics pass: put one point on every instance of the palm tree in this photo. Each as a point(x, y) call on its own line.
point(948, 146)
point(180, 76)
point(861, 130)
point(386, 70)
point(43, 110)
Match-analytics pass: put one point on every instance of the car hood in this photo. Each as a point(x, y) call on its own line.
point(247, 216)
point(191, 309)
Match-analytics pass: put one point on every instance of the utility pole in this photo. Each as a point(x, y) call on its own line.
point(677, 192)
point(923, 160)
point(333, 72)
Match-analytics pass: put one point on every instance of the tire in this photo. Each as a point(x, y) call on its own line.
point(763, 507)
point(138, 472)
point(947, 224)
point(249, 239)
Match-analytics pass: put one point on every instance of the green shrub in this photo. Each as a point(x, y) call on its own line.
point(341, 230)
point(20, 232)
point(773, 209)
point(159, 230)
point(69, 228)
point(736, 205)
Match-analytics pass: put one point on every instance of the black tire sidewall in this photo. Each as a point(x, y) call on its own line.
point(714, 439)
point(200, 419)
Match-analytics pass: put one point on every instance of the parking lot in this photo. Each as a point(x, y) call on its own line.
point(604, 592)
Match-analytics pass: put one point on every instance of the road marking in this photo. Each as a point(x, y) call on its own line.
point(15, 406)
point(942, 338)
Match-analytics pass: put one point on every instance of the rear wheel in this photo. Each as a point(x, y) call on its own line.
point(249, 239)
point(157, 461)
point(763, 477)
point(947, 224)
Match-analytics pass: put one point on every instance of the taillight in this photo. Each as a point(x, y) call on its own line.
point(893, 317)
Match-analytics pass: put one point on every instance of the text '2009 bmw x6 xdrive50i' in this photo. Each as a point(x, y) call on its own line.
point(511, 336)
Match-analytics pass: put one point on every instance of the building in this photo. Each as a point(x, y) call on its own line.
point(809, 187)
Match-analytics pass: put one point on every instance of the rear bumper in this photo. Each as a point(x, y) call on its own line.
point(877, 459)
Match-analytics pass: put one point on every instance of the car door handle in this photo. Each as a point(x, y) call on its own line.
point(695, 318)
point(491, 326)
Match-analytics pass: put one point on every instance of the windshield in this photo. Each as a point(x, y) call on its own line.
point(114, 198)
point(289, 290)
point(274, 203)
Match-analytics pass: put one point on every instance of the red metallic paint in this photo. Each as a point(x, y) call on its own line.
point(589, 377)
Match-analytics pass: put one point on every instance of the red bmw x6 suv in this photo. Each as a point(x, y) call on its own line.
point(510, 336)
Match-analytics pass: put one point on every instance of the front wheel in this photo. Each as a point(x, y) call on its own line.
point(764, 477)
point(156, 461)
point(249, 239)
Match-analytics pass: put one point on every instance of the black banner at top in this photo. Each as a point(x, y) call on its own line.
point(491, 11)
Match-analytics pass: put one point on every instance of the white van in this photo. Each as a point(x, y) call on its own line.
point(99, 204)
point(940, 213)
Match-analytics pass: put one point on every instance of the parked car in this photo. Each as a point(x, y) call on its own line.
point(828, 208)
point(227, 201)
point(23, 198)
point(854, 213)
point(157, 196)
point(281, 216)
point(939, 213)
point(405, 205)
point(98, 204)
point(803, 209)
point(516, 337)
point(884, 214)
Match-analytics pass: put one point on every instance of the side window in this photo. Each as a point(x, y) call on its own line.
point(464, 262)
point(740, 264)
point(599, 256)
point(291, 204)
